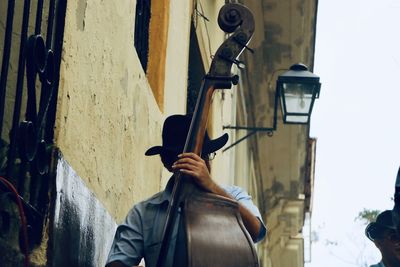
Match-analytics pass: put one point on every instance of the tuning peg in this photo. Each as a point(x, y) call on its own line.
point(235, 79)
point(241, 38)
point(248, 48)
point(239, 63)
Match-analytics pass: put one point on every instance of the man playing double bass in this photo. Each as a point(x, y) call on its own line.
point(141, 233)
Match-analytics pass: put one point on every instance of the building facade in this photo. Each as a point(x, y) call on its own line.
point(85, 88)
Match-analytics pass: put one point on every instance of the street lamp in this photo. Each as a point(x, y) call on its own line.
point(297, 89)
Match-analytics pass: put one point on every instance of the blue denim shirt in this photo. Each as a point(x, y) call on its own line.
point(141, 233)
point(380, 264)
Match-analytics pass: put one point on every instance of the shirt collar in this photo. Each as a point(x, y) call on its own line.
point(164, 195)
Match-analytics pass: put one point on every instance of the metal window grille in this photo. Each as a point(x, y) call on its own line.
point(30, 54)
point(142, 24)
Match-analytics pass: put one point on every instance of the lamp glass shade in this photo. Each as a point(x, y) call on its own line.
point(297, 100)
point(297, 89)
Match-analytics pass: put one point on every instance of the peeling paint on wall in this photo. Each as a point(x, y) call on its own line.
point(83, 230)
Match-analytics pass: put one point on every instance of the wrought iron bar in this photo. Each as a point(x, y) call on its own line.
point(56, 13)
point(19, 90)
point(50, 23)
point(6, 59)
point(31, 138)
point(39, 12)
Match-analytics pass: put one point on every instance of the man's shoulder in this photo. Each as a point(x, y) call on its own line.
point(142, 208)
point(154, 199)
point(380, 264)
point(236, 191)
point(232, 188)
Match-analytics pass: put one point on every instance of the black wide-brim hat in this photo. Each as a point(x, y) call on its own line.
point(384, 220)
point(175, 130)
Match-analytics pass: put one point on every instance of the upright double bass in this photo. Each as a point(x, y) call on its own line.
point(213, 230)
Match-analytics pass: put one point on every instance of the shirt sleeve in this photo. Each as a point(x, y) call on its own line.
point(127, 246)
point(245, 199)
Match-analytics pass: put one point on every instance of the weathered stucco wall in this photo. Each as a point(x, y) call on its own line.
point(107, 115)
point(177, 57)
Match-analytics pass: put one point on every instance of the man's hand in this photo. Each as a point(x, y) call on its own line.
point(193, 165)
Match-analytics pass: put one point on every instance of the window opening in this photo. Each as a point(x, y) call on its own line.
point(142, 23)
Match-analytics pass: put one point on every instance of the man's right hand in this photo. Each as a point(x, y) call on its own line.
point(196, 167)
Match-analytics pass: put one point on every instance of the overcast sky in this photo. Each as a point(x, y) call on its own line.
point(356, 123)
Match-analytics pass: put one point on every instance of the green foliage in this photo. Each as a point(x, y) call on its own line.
point(367, 216)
